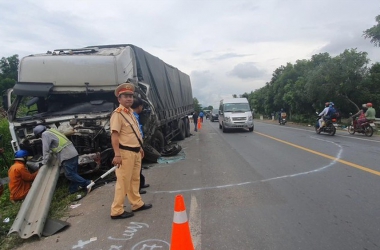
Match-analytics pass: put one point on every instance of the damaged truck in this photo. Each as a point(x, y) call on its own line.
point(72, 90)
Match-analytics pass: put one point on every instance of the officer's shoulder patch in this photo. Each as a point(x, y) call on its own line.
point(118, 110)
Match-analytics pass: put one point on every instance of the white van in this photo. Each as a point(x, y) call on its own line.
point(235, 113)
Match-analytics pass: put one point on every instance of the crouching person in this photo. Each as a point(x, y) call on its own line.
point(20, 179)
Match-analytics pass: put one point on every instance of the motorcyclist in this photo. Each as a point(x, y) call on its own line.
point(323, 114)
point(281, 114)
point(369, 115)
point(361, 111)
point(331, 113)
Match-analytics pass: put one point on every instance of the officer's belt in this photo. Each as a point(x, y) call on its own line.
point(133, 149)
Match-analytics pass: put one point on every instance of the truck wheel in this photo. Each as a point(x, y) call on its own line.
point(158, 141)
point(182, 130)
point(251, 129)
point(151, 154)
point(187, 126)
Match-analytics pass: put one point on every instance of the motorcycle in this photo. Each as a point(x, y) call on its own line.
point(366, 128)
point(328, 128)
point(282, 121)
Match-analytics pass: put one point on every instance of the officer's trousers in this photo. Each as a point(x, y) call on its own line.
point(127, 182)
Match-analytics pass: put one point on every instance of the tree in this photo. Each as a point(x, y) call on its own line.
point(374, 33)
point(8, 72)
point(197, 106)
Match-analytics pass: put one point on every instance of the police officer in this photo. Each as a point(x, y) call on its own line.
point(126, 142)
point(138, 107)
point(20, 179)
point(58, 143)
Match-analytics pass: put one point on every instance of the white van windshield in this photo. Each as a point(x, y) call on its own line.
point(236, 107)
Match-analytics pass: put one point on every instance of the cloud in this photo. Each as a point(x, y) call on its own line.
point(247, 70)
point(218, 43)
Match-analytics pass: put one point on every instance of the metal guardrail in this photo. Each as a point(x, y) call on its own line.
point(32, 215)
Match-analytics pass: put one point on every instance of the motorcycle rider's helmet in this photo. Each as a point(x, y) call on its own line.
point(21, 155)
point(327, 104)
point(331, 104)
point(369, 105)
point(364, 105)
point(39, 129)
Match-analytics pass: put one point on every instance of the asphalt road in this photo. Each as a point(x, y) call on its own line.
point(279, 187)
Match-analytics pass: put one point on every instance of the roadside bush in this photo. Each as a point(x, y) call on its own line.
point(5, 143)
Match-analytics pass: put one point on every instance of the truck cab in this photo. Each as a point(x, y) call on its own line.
point(72, 90)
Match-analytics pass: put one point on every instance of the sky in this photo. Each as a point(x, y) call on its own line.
point(226, 46)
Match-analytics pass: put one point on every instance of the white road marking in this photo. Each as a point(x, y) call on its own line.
point(337, 157)
point(195, 223)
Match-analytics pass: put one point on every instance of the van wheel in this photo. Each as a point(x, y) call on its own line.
point(182, 130)
point(158, 141)
point(224, 129)
point(187, 126)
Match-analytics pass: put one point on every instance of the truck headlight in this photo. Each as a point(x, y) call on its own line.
point(250, 118)
point(227, 119)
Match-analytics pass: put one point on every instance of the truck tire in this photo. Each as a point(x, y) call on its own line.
point(187, 125)
point(158, 141)
point(182, 130)
point(151, 154)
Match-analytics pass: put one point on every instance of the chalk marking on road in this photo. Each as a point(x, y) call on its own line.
point(113, 247)
point(195, 222)
point(151, 244)
point(334, 160)
point(82, 243)
point(369, 170)
point(130, 231)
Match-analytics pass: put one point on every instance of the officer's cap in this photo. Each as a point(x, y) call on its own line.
point(125, 88)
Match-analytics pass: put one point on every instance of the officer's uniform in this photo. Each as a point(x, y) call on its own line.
point(128, 174)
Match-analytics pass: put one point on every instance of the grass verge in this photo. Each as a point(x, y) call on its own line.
point(58, 209)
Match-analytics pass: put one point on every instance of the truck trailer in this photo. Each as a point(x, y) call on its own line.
point(72, 90)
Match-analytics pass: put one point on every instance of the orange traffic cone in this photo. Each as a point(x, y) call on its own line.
point(181, 237)
point(199, 123)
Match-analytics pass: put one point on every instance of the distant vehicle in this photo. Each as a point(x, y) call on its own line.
point(207, 113)
point(214, 115)
point(235, 113)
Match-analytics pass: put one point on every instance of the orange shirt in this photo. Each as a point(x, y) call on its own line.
point(126, 135)
point(20, 180)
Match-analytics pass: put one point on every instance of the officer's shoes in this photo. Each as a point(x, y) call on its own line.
point(124, 215)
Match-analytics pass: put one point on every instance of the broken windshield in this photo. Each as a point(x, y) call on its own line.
point(65, 104)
